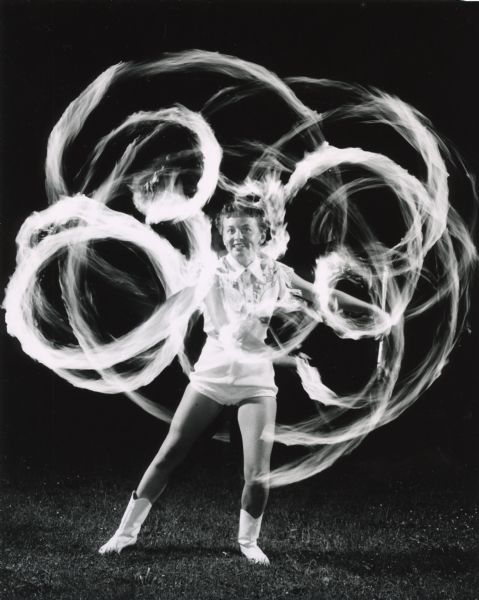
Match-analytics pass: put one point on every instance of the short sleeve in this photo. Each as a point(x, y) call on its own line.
point(285, 280)
point(285, 274)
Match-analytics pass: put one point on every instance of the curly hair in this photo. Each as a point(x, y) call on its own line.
point(242, 208)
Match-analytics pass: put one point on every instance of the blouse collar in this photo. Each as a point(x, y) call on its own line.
point(237, 269)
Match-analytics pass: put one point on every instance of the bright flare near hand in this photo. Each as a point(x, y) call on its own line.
point(303, 162)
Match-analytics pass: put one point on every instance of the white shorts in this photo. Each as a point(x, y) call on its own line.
point(231, 382)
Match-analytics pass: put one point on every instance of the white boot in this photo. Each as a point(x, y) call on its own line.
point(248, 533)
point(127, 533)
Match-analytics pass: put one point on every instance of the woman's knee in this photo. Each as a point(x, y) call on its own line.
point(172, 451)
point(256, 478)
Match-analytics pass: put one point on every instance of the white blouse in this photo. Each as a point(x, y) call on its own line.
point(242, 300)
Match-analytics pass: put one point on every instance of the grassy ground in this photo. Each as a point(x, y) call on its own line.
point(326, 540)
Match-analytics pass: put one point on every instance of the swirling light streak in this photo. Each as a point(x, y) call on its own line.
point(434, 249)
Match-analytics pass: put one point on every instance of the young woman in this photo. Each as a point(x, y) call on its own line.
point(237, 311)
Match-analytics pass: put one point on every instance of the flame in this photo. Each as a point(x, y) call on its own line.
point(435, 246)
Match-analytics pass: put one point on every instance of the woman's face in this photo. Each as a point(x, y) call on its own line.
point(242, 237)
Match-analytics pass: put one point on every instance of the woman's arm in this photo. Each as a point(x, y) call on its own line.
point(339, 300)
point(306, 289)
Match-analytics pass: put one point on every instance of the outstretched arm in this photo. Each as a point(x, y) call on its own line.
point(306, 288)
point(339, 300)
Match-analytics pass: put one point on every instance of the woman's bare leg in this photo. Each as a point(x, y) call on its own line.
point(193, 415)
point(256, 416)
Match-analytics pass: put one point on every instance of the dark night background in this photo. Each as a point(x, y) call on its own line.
point(425, 53)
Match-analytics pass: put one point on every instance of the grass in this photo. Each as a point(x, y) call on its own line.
point(326, 539)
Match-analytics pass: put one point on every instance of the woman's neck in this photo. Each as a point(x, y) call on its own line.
point(244, 262)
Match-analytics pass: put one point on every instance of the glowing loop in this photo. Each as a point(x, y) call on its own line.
point(434, 234)
point(167, 324)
